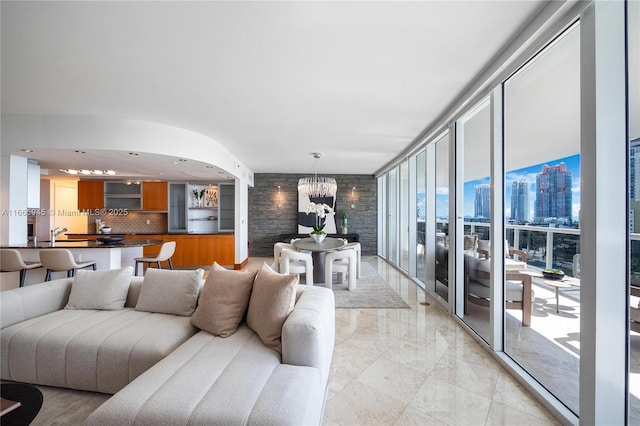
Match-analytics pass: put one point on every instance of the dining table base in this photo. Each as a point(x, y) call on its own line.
point(318, 266)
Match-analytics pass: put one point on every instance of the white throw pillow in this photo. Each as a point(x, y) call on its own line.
point(103, 290)
point(170, 292)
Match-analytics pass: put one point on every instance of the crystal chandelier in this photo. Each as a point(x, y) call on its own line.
point(314, 187)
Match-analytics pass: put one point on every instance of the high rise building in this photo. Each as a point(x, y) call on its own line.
point(520, 200)
point(483, 201)
point(553, 194)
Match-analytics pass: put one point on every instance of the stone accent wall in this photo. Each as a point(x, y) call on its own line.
point(267, 221)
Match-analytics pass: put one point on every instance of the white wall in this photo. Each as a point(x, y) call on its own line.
point(13, 200)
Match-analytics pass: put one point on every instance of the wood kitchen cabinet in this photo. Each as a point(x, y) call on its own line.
point(90, 194)
point(201, 250)
point(206, 249)
point(224, 249)
point(155, 196)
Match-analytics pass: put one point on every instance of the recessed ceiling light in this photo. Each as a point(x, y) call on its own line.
point(97, 172)
point(182, 160)
point(27, 150)
point(110, 172)
point(80, 152)
point(85, 172)
point(133, 153)
point(70, 171)
point(209, 167)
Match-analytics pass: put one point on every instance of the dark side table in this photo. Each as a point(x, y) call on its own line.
point(28, 395)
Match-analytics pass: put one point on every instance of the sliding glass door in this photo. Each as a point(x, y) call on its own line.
point(421, 211)
point(473, 140)
point(542, 207)
point(441, 247)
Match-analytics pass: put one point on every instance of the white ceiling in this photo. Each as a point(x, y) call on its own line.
point(271, 81)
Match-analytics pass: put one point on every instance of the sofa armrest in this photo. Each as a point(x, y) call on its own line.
point(32, 301)
point(308, 334)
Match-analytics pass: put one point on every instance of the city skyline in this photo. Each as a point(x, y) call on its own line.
point(526, 173)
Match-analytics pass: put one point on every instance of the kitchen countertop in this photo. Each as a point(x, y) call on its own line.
point(127, 242)
point(147, 233)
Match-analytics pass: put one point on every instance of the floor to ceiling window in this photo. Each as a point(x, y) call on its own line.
point(404, 215)
point(421, 210)
point(382, 214)
point(392, 216)
point(557, 200)
point(542, 206)
point(633, 60)
point(441, 248)
point(473, 140)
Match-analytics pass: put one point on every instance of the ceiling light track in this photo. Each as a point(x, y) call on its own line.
point(87, 172)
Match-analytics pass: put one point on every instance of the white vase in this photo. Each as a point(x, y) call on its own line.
point(318, 238)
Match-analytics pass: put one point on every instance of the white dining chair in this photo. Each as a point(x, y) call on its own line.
point(358, 249)
point(295, 262)
point(342, 262)
point(277, 254)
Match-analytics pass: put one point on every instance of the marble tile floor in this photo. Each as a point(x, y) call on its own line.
point(549, 349)
point(413, 366)
point(419, 366)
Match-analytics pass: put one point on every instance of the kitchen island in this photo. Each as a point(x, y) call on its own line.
point(106, 255)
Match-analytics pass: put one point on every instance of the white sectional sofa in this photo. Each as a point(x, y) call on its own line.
point(163, 370)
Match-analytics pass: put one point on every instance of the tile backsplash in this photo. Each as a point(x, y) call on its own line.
point(132, 222)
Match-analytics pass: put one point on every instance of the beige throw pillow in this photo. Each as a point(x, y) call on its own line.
point(223, 301)
point(168, 291)
point(104, 290)
point(272, 300)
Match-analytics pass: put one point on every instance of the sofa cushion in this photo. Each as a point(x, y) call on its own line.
point(223, 300)
point(210, 380)
point(100, 289)
point(272, 300)
point(91, 350)
point(170, 291)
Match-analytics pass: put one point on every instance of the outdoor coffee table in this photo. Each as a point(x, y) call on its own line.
point(566, 282)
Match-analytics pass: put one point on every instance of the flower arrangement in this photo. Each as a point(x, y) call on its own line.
point(198, 195)
point(321, 210)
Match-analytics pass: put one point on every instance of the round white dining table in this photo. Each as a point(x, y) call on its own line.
point(318, 253)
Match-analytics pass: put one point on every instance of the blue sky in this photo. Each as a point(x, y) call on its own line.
point(528, 173)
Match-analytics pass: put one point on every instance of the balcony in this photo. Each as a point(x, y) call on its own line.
point(549, 349)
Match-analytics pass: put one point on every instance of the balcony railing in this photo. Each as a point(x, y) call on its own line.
point(548, 247)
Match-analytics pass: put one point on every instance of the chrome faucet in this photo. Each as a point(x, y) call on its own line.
point(55, 233)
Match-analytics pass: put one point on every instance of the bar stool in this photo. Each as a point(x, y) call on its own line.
point(166, 251)
point(11, 261)
point(57, 260)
